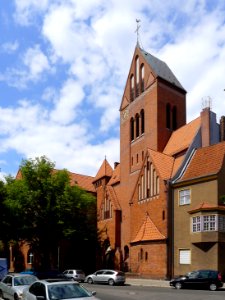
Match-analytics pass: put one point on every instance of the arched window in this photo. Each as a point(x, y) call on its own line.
point(168, 115)
point(142, 78)
point(174, 118)
point(132, 88)
point(137, 75)
point(141, 254)
point(30, 257)
point(137, 125)
point(142, 121)
point(132, 129)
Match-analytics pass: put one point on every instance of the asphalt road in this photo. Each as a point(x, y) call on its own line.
point(129, 292)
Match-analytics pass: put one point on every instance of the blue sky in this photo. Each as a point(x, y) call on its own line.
point(64, 65)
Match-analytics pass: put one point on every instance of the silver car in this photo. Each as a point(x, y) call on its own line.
point(55, 289)
point(12, 285)
point(110, 277)
point(77, 275)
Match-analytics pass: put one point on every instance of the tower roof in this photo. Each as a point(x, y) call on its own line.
point(104, 171)
point(148, 232)
point(161, 69)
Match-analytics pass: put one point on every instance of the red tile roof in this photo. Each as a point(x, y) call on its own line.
point(105, 170)
point(83, 181)
point(205, 161)
point(115, 176)
point(204, 206)
point(148, 232)
point(113, 197)
point(182, 138)
point(163, 163)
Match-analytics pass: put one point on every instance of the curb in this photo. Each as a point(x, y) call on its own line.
point(147, 282)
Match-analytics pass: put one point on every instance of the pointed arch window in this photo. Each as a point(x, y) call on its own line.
point(137, 75)
point(132, 87)
point(132, 129)
point(137, 125)
point(148, 185)
point(142, 121)
point(174, 118)
point(168, 116)
point(142, 78)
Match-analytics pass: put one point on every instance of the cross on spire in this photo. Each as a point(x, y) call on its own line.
point(137, 30)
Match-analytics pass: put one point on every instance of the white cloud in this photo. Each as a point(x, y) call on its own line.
point(10, 47)
point(66, 107)
point(36, 62)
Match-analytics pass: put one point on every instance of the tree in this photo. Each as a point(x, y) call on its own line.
point(47, 209)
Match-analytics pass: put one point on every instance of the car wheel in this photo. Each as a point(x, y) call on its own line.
point(111, 281)
point(178, 285)
point(16, 297)
point(1, 294)
point(89, 280)
point(213, 287)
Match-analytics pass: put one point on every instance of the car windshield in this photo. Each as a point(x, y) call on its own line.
point(66, 291)
point(24, 280)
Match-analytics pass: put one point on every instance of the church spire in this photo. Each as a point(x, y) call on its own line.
point(137, 30)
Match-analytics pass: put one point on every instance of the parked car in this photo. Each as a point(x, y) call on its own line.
point(44, 274)
point(200, 279)
point(55, 289)
point(77, 275)
point(111, 277)
point(12, 285)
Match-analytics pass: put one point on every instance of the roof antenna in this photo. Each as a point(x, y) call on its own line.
point(137, 30)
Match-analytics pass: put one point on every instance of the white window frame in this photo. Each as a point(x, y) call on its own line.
point(184, 256)
point(196, 224)
point(184, 197)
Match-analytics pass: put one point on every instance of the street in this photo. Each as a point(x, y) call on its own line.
point(128, 292)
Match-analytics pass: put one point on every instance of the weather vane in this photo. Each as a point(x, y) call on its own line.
point(137, 30)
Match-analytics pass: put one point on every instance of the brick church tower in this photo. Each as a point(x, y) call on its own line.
point(153, 106)
point(133, 203)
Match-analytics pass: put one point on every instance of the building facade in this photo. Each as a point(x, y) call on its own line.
point(142, 227)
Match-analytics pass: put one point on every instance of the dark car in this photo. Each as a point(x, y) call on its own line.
point(201, 279)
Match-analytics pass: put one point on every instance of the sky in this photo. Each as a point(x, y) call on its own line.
point(64, 66)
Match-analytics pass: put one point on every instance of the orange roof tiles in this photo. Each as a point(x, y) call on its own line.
point(205, 161)
point(206, 206)
point(115, 176)
point(148, 232)
point(105, 170)
point(182, 138)
point(83, 181)
point(113, 198)
point(163, 163)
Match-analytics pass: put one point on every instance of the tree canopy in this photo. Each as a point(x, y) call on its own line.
point(43, 209)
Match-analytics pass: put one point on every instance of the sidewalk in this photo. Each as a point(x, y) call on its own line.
point(147, 282)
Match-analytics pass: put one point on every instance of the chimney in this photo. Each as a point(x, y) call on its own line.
point(205, 126)
point(222, 128)
point(116, 164)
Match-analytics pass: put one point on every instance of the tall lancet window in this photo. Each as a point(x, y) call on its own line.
point(142, 78)
point(132, 88)
point(137, 76)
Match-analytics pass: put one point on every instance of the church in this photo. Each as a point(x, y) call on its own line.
point(161, 209)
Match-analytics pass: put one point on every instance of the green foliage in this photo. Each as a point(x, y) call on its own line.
point(43, 208)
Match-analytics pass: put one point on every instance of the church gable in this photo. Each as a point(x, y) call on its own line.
point(156, 166)
point(109, 204)
point(140, 76)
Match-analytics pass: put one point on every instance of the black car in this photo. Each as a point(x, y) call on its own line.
point(201, 279)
